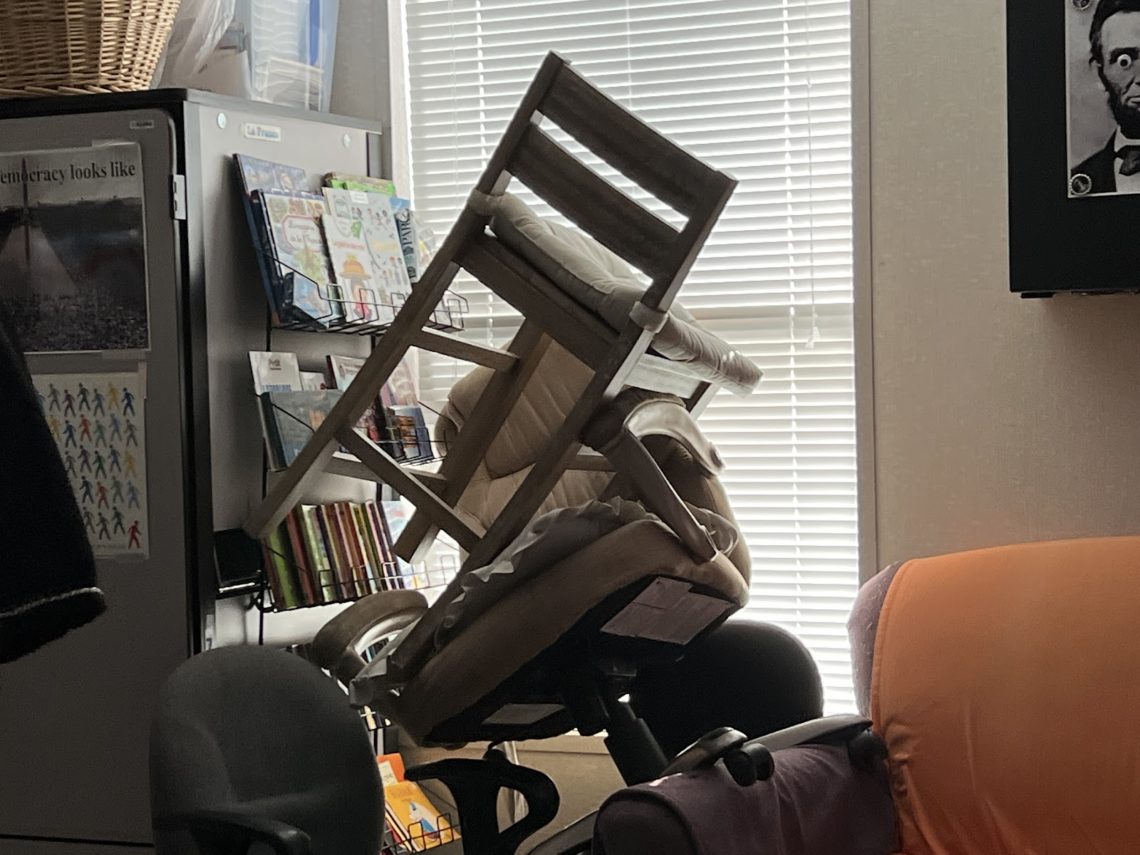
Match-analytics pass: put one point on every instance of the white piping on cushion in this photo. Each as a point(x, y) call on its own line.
point(35, 604)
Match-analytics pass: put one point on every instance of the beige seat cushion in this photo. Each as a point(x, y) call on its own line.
point(540, 610)
point(604, 284)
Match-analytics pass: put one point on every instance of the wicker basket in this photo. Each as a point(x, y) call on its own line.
point(49, 47)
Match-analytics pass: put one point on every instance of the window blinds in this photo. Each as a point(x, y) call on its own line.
point(760, 89)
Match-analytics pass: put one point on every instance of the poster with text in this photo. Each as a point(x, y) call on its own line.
point(97, 422)
point(73, 248)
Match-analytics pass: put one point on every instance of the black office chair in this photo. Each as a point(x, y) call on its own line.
point(254, 745)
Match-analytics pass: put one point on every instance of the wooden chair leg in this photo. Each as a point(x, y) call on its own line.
point(475, 437)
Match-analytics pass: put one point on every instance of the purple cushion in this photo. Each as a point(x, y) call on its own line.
point(815, 804)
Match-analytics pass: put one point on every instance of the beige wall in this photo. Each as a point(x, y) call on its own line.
point(996, 419)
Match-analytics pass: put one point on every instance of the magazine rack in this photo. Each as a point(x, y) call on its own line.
point(617, 357)
point(377, 314)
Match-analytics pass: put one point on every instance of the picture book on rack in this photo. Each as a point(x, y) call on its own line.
point(352, 267)
point(299, 259)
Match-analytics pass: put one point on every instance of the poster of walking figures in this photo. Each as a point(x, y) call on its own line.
point(97, 422)
point(73, 248)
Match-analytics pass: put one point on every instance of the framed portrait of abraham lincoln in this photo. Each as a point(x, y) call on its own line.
point(1073, 107)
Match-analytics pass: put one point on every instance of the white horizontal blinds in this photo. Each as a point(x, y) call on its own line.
point(760, 89)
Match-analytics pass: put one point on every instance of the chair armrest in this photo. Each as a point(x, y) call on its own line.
point(618, 433)
point(337, 645)
point(739, 752)
point(816, 802)
point(217, 831)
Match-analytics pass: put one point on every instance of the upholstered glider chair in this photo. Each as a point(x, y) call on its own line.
point(1003, 687)
point(598, 538)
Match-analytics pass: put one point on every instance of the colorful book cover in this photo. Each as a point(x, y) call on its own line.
point(391, 768)
point(420, 823)
point(341, 563)
point(342, 371)
point(296, 416)
point(390, 566)
point(352, 547)
point(378, 229)
point(395, 517)
point(406, 228)
point(363, 183)
point(274, 371)
point(257, 174)
point(282, 576)
point(373, 566)
point(401, 386)
point(313, 381)
point(304, 570)
point(318, 554)
point(352, 268)
point(380, 233)
point(408, 420)
point(299, 255)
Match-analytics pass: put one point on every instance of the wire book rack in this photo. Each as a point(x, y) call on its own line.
point(357, 309)
point(390, 576)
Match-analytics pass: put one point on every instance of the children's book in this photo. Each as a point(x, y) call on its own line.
point(374, 568)
point(364, 183)
point(342, 371)
point(279, 569)
point(292, 418)
point(257, 174)
point(374, 212)
point(318, 554)
point(395, 516)
point(391, 566)
point(313, 381)
point(274, 371)
point(299, 256)
point(408, 421)
point(345, 584)
point(406, 228)
point(418, 821)
point(352, 267)
point(305, 571)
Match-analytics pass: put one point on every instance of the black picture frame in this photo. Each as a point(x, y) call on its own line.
point(1057, 243)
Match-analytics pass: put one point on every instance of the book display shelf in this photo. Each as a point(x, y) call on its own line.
point(338, 254)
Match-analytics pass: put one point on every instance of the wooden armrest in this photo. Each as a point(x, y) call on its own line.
point(618, 433)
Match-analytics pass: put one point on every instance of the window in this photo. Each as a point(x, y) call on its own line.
point(760, 89)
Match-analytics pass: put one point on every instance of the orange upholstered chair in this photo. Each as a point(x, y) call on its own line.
point(1005, 685)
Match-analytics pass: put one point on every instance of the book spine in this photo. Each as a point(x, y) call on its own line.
point(352, 547)
point(281, 560)
point(338, 561)
point(375, 563)
point(401, 570)
point(269, 431)
point(305, 574)
point(318, 555)
point(255, 218)
point(383, 548)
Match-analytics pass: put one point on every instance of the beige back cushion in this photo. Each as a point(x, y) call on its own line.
point(553, 390)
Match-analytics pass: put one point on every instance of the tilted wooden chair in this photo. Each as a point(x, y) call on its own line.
point(613, 347)
point(575, 291)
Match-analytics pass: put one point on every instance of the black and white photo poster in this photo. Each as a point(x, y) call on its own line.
point(73, 248)
point(1103, 73)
